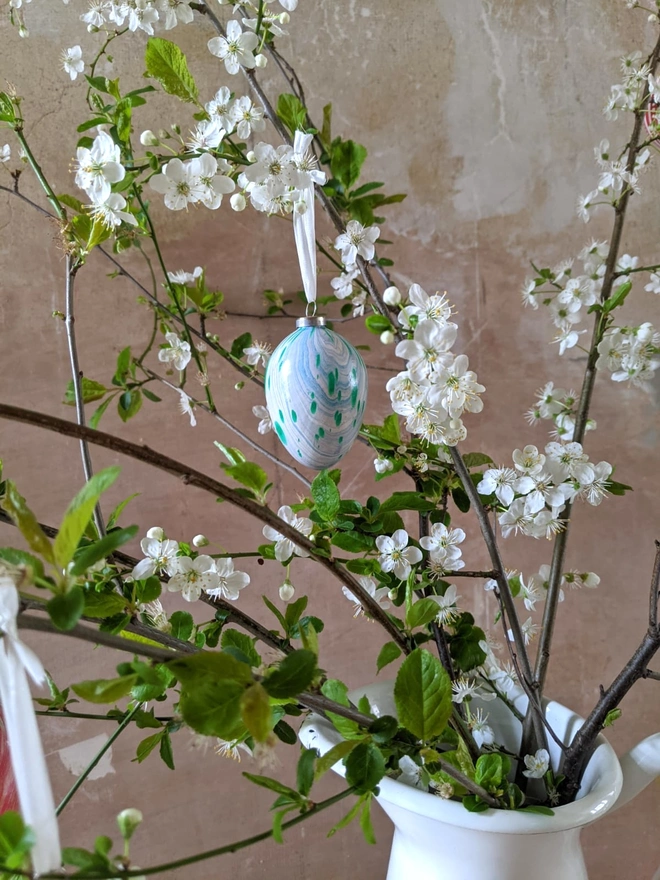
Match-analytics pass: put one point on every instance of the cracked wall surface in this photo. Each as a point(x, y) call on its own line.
point(486, 114)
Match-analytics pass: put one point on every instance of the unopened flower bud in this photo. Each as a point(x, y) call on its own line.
point(387, 337)
point(237, 201)
point(251, 156)
point(200, 541)
point(156, 533)
point(162, 134)
point(287, 591)
point(284, 17)
point(149, 139)
point(128, 821)
point(392, 296)
point(175, 128)
point(260, 60)
point(392, 594)
point(23, 31)
point(239, 386)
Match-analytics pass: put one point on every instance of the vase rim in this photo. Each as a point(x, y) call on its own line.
point(604, 772)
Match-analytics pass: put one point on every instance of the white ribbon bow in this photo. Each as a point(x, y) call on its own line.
point(303, 214)
point(27, 755)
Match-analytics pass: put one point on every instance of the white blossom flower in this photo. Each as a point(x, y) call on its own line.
point(482, 732)
point(160, 556)
point(457, 388)
point(182, 277)
point(180, 184)
point(72, 61)
point(207, 135)
point(343, 284)
point(442, 543)
point(395, 555)
point(515, 519)
point(626, 262)
point(428, 350)
point(383, 465)
point(230, 582)
point(258, 351)
point(220, 109)
point(537, 764)
point(424, 307)
point(358, 240)
point(99, 167)
point(421, 463)
point(236, 49)
point(411, 773)
point(378, 594)
point(272, 164)
point(141, 16)
point(596, 490)
point(528, 460)
point(585, 204)
point(465, 689)
point(529, 631)
point(529, 593)
point(284, 547)
point(654, 279)
point(175, 11)
point(186, 407)
point(176, 353)
point(95, 15)
point(232, 749)
point(447, 607)
point(212, 185)
point(111, 213)
point(247, 117)
point(568, 461)
point(193, 576)
point(265, 425)
point(503, 482)
point(5, 154)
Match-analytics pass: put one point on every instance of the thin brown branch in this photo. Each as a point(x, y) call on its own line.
point(192, 477)
point(655, 589)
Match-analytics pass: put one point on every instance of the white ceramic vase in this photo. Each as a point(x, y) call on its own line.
point(436, 839)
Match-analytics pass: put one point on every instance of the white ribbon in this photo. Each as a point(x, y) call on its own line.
point(27, 755)
point(303, 213)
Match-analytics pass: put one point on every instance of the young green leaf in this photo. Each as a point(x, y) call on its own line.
point(422, 693)
point(365, 767)
point(292, 112)
point(167, 63)
point(346, 162)
point(421, 613)
point(90, 555)
point(91, 391)
point(15, 505)
point(240, 646)
point(325, 496)
point(79, 514)
point(256, 712)
point(388, 654)
point(105, 690)
point(305, 771)
point(294, 674)
point(65, 609)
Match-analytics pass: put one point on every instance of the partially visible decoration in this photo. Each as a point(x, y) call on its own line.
point(27, 755)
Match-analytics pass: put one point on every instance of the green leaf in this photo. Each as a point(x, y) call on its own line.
point(91, 391)
point(100, 549)
point(129, 404)
point(460, 499)
point(377, 324)
point(294, 611)
point(182, 625)
point(147, 745)
point(353, 542)
point(103, 604)
point(537, 808)
point(337, 753)
point(292, 112)
point(365, 822)
point(256, 712)
point(249, 474)
point(274, 785)
point(491, 769)
point(65, 609)
point(119, 509)
point(105, 690)
point(213, 708)
point(166, 753)
point(294, 674)
point(612, 716)
point(15, 505)
point(421, 613)
point(617, 297)
point(474, 804)
point(16, 840)
point(326, 496)
point(617, 488)
point(365, 767)
point(240, 344)
point(305, 771)
point(388, 654)
point(347, 819)
point(79, 514)
point(326, 129)
point(422, 693)
point(476, 459)
point(285, 733)
point(346, 162)
point(34, 566)
point(98, 413)
point(167, 63)
point(406, 501)
point(210, 665)
point(337, 691)
point(240, 646)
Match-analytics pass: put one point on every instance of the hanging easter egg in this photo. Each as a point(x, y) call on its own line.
point(316, 393)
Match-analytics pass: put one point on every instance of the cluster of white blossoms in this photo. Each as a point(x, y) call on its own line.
point(277, 180)
point(631, 354)
point(535, 491)
point(97, 169)
point(193, 182)
point(442, 546)
point(557, 405)
point(628, 95)
point(436, 387)
point(137, 15)
point(188, 575)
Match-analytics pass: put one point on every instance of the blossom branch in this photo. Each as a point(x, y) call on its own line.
point(193, 477)
point(71, 268)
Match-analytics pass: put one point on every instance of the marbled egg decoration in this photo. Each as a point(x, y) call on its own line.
point(316, 394)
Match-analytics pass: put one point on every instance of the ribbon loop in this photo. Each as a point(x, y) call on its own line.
point(27, 755)
point(304, 227)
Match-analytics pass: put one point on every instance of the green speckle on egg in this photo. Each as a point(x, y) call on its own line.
point(321, 432)
point(312, 408)
point(331, 383)
point(354, 394)
point(280, 432)
point(338, 419)
point(294, 415)
point(318, 360)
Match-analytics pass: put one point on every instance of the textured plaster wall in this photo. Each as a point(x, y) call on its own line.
point(486, 114)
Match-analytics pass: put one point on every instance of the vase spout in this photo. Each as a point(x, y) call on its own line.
point(640, 766)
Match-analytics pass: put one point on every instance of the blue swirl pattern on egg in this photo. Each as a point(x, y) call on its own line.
point(316, 393)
